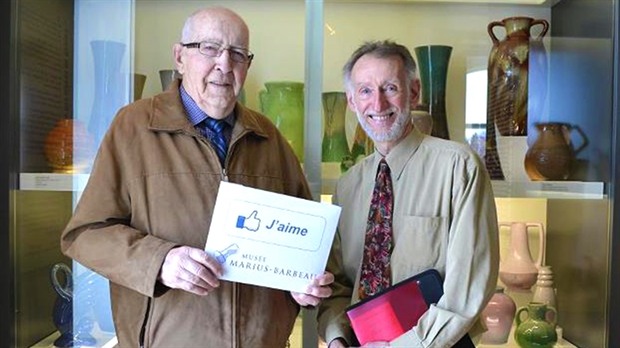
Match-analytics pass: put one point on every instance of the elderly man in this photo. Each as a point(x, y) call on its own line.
point(144, 216)
point(417, 203)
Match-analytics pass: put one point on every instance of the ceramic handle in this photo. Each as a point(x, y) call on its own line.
point(66, 291)
point(518, 315)
point(545, 25)
point(540, 261)
point(490, 30)
point(584, 139)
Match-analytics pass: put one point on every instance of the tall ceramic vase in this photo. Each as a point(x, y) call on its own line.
point(335, 146)
point(283, 103)
point(110, 86)
point(433, 61)
point(517, 270)
point(508, 99)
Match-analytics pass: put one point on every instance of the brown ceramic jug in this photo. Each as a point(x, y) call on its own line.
point(552, 155)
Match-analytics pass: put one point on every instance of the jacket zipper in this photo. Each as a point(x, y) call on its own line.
point(146, 319)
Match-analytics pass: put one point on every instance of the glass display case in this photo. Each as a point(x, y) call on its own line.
point(73, 64)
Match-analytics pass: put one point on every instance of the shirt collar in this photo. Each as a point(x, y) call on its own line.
point(194, 114)
point(400, 154)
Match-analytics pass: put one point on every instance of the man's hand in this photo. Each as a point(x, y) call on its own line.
point(316, 291)
point(190, 269)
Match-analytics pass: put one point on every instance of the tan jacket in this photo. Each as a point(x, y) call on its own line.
point(444, 218)
point(153, 187)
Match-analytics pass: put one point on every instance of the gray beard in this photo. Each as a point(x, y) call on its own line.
point(395, 132)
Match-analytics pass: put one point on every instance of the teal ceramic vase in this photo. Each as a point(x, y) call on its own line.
point(335, 146)
point(535, 331)
point(283, 103)
point(433, 61)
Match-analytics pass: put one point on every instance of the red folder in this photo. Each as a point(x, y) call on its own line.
point(394, 311)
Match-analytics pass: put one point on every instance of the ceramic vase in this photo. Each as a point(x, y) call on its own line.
point(498, 316)
point(63, 312)
point(362, 144)
point(552, 155)
point(517, 270)
point(110, 86)
point(283, 103)
point(69, 147)
point(433, 61)
point(138, 85)
point(511, 151)
point(535, 331)
point(508, 100)
point(335, 147)
point(166, 77)
point(422, 121)
point(544, 291)
point(508, 67)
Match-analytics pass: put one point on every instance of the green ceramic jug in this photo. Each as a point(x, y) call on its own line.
point(283, 103)
point(535, 331)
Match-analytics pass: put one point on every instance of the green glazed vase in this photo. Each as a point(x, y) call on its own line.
point(535, 331)
point(283, 103)
point(335, 146)
point(433, 61)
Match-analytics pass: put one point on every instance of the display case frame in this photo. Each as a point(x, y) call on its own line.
point(606, 189)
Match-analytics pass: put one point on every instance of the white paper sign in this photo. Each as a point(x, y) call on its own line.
point(269, 239)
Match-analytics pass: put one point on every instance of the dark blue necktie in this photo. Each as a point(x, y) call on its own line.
point(218, 140)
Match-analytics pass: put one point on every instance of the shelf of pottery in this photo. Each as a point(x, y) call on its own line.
point(524, 308)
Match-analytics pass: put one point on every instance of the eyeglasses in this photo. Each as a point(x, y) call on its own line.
point(214, 49)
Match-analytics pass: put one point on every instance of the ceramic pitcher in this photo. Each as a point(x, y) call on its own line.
point(552, 155)
point(535, 331)
point(517, 270)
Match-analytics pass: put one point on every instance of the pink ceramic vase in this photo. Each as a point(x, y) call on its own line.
point(498, 316)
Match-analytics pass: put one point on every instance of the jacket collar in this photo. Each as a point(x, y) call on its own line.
point(401, 154)
point(168, 115)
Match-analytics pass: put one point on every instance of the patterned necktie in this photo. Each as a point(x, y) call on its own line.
point(375, 275)
point(218, 139)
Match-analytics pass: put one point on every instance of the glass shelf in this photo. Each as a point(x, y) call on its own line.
point(549, 189)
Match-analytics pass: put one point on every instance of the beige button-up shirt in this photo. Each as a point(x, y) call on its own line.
point(444, 218)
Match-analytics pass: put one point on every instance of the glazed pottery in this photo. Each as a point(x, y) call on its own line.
point(535, 331)
point(517, 270)
point(283, 103)
point(334, 147)
point(433, 61)
point(362, 144)
point(544, 291)
point(166, 77)
point(138, 85)
point(508, 68)
point(552, 155)
point(110, 86)
point(69, 148)
point(498, 316)
point(511, 151)
point(63, 312)
point(422, 121)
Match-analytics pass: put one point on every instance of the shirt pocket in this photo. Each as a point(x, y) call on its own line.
point(420, 243)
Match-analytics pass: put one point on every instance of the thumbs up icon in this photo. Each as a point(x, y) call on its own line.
point(251, 222)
